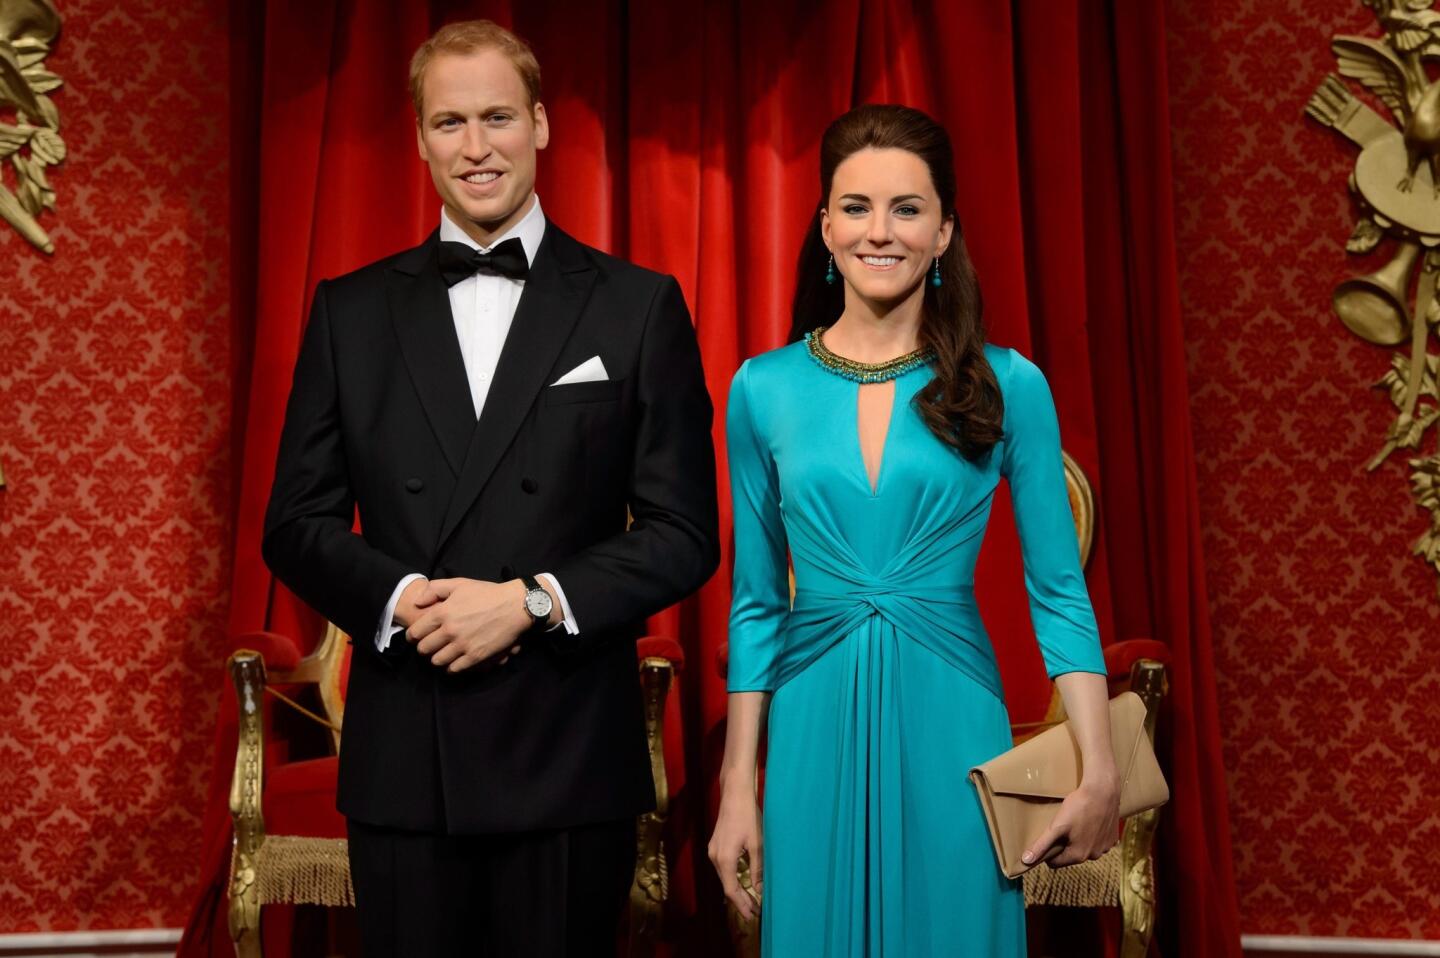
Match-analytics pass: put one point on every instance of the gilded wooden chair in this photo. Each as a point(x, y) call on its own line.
point(661, 659)
point(289, 844)
point(1124, 876)
point(304, 861)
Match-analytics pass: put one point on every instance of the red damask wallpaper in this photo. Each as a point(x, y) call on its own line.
point(1325, 624)
point(115, 408)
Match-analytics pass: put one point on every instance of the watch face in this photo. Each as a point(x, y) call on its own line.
point(538, 603)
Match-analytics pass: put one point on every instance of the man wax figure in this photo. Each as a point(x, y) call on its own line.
point(522, 425)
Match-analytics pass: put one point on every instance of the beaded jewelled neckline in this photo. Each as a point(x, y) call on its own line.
point(863, 372)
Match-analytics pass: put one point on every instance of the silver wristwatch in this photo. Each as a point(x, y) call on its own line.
point(537, 601)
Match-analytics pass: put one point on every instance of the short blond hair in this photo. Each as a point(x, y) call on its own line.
point(468, 36)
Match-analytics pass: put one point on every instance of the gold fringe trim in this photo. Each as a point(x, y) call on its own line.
point(1087, 885)
point(308, 871)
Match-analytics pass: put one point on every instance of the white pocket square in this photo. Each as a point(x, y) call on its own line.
point(591, 370)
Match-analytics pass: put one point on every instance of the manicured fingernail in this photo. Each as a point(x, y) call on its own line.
point(1028, 857)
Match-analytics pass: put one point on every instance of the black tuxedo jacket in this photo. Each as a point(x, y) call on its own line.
point(380, 422)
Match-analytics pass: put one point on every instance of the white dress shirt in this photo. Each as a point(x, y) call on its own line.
point(483, 307)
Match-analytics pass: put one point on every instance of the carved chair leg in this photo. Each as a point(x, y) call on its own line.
point(652, 875)
point(650, 888)
point(1137, 881)
point(247, 671)
point(1137, 885)
point(245, 928)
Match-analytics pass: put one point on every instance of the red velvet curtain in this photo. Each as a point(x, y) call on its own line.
point(685, 137)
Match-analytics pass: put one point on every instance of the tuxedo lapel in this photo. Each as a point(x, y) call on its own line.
point(555, 293)
point(420, 311)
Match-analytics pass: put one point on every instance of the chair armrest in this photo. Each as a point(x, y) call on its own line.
point(662, 647)
point(279, 651)
point(660, 659)
point(1121, 656)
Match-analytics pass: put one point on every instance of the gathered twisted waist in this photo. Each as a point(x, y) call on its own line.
point(942, 618)
point(872, 593)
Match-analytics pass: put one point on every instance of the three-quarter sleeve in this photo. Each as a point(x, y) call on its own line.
point(760, 592)
point(1060, 607)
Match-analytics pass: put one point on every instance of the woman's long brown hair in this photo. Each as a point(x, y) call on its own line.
point(962, 405)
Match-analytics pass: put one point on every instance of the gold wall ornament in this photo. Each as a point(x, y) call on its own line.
point(29, 122)
point(1396, 186)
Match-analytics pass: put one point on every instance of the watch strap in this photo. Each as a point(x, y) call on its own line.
point(532, 585)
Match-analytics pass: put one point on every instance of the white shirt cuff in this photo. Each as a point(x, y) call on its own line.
point(569, 620)
point(388, 626)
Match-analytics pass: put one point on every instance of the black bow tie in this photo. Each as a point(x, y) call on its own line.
point(459, 261)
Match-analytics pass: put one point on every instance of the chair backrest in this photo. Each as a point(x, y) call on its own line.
point(1082, 505)
point(336, 654)
point(327, 669)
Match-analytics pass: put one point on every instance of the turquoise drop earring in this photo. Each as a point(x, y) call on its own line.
point(830, 272)
point(935, 276)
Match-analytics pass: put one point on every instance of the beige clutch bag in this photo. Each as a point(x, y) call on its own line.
point(1021, 790)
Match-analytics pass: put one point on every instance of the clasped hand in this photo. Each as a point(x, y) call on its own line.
point(461, 622)
point(1085, 827)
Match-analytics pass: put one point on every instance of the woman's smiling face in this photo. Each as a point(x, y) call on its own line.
point(883, 223)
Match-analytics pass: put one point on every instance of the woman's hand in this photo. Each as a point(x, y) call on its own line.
point(737, 831)
point(1086, 826)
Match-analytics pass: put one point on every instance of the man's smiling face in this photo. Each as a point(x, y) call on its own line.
point(479, 135)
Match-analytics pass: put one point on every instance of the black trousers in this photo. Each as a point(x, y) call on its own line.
point(552, 894)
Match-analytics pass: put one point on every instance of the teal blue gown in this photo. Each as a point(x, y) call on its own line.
point(884, 686)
